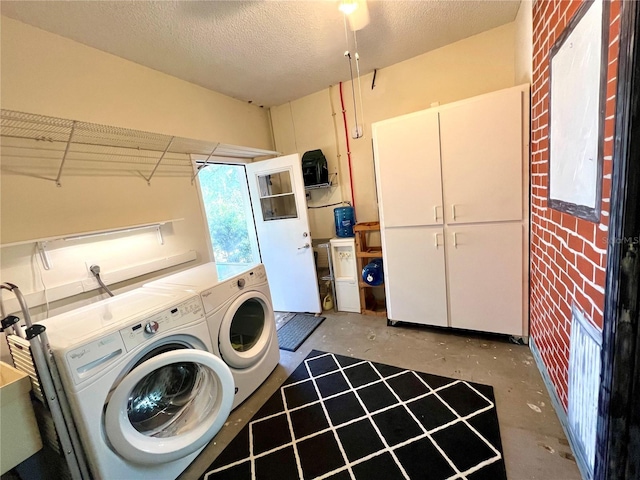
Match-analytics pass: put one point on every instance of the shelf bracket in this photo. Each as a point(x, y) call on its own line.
point(44, 255)
point(329, 183)
point(66, 151)
point(159, 161)
point(159, 234)
point(205, 163)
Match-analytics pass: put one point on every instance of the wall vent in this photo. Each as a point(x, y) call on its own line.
point(584, 386)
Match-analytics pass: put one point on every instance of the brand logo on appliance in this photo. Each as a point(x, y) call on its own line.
point(206, 294)
point(81, 354)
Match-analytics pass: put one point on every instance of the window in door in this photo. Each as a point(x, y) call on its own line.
point(227, 205)
point(277, 199)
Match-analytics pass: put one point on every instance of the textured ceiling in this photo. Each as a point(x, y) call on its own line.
point(266, 52)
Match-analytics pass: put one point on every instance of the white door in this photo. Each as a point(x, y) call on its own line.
point(414, 275)
point(482, 168)
point(280, 211)
point(407, 163)
point(486, 283)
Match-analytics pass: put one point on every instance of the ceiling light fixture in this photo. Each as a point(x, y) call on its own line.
point(356, 12)
point(348, 6)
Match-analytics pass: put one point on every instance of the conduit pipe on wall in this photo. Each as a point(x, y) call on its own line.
point(346, 135)
point(335, 125)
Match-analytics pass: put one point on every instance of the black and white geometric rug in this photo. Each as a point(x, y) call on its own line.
point(342, 418)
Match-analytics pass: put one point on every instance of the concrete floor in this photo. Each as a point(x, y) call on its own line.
point(534, 444)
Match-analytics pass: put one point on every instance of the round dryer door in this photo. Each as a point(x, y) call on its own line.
point(169, 406)
point(246, 330)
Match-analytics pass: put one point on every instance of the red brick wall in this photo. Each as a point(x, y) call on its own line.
point(568, 254)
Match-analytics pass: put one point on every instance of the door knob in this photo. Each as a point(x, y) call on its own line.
point(306, 245)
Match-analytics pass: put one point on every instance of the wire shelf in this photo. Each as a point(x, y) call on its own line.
point(47, 147)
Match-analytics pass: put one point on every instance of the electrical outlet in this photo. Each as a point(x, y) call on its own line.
point(357, 132)
point(90, 282)
point(88, 264)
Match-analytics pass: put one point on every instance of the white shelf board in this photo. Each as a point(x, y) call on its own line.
point(78, 235)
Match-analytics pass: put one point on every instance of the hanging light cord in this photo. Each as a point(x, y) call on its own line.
point(355, 39)
point(347, 54)
point(353, 90)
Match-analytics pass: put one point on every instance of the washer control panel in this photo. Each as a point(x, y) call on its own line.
point(85, 361)
point(143, 330)
point(247, 279)
point(151, 327)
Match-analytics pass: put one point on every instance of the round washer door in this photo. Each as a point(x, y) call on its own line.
point(169, 406)
point(246, 330)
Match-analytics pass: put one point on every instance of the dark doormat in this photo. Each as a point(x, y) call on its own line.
point(339, 417)
point(295, 331)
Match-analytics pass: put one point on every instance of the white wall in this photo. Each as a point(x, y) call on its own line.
point(46, 74)
point(307, 124)
point(524, 43)
point(476, 65)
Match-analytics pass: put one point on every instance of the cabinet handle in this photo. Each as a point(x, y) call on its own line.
point(453, 211)
point(435, 240)
point(455, 240)
point(435, 213)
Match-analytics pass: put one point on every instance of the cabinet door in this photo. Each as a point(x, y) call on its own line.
point(485, 277)
point(482, 164)
point(414, 275)
point(407, 162)
point(348, 296)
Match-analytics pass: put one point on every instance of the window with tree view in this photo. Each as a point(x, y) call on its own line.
point(229, 217)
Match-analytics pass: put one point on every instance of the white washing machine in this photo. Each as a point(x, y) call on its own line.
point(146, 391)
point(240, 317)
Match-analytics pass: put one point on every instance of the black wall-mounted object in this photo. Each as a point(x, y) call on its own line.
point(315, 170)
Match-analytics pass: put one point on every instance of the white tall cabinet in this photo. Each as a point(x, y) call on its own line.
point(452, 191)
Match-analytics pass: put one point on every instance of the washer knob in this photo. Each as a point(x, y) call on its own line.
point(241, 283)
point(151, 327)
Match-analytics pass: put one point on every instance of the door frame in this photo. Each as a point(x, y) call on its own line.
point(618, 438)
point(200, 161)
point(302, 271)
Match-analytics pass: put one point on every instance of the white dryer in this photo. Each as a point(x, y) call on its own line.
point(146, 391)
point(240, 317)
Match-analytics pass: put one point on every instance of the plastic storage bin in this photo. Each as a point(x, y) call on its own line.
point(345, 220)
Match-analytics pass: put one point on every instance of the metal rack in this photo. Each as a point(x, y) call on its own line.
point(31, 354)
point(48, 147)
point(326, 274)
point(330, 183)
